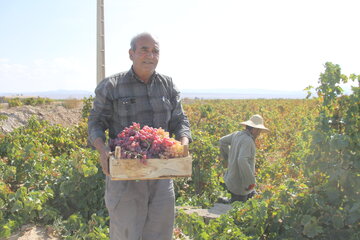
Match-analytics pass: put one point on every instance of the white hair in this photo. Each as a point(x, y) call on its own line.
point(138, 36)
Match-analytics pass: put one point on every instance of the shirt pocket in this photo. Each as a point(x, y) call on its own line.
point(166, 103)
point(125, 109)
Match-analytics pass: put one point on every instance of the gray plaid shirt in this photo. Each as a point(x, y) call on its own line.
point(122, 99)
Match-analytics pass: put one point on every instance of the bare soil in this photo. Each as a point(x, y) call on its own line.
point(33, 232)
point(11, 118)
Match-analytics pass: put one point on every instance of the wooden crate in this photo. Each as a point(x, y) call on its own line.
point(133, 169)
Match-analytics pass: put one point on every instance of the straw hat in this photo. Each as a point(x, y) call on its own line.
point(255, 121)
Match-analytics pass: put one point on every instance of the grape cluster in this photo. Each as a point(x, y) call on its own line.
point(147, 142)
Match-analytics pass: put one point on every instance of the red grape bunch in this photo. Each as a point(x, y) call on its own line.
point(147, 142)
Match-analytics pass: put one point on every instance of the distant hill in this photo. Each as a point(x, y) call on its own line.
point(185, 93)
point(57, 94)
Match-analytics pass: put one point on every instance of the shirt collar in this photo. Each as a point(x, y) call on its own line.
point(249, 134)
point(138, 79)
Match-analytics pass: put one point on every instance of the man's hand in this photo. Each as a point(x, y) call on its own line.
point(250, 187)
point(104, 161)
point(104, 155)
point(184, 141)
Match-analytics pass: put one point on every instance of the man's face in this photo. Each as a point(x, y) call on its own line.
point(146, 55)
point(255, 132)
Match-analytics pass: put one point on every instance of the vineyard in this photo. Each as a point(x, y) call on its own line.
point(308, 167)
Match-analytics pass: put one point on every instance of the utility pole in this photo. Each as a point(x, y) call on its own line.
point(100, 51)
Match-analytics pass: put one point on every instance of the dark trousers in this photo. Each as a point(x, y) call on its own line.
point(241, 198)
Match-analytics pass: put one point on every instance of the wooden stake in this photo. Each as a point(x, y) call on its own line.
point(186, 150)
point(117, 152)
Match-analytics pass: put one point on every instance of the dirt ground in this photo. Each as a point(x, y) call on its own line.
point(11, 118)
point(33, 232)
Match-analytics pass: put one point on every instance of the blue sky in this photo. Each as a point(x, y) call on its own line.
point(280, 44)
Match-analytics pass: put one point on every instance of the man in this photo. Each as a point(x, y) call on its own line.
point(238, 149)
point(138, 209)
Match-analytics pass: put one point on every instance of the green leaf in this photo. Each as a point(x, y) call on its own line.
point(338, 221)
point(305, 219)
point(311, 228)
point(18, 205)
point(354, 214)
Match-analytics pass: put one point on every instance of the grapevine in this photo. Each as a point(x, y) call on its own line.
point(146, 142)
